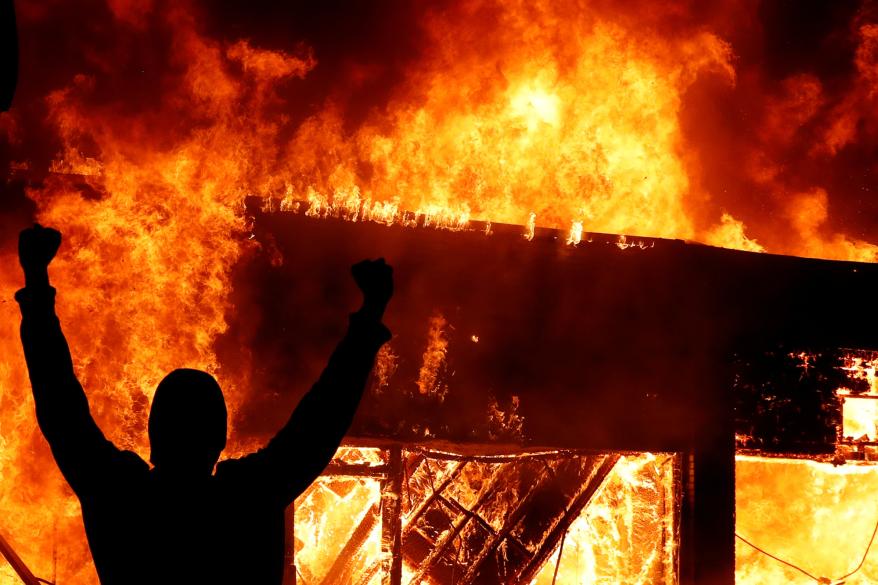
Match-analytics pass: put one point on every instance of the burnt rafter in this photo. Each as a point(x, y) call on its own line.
point(391, 518)
point(467, 519)
point(445, 541)
point(579, 503)
point(496, 539)
point(434, 494)
point(551, 494)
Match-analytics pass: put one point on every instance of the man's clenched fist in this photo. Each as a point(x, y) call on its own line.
point(375, 279)
point(37, 246)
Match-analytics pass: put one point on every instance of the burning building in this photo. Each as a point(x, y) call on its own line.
point(578, 390)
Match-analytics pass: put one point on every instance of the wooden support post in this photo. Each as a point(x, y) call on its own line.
point(289, 577)
point(707, 556)
point(714, 513)
point(685, 484)
point(391, 523)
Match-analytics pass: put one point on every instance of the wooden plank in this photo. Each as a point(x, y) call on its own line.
point(441, 546)
point(356, 470)
point(529, 571)
point(391, 519)
point(16, 563)
point(340, 572)
point(289, 576)
point(423, 506)
point(496, 538)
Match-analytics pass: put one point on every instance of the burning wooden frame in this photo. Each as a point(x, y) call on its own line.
point(511, 339)
point(436, 517)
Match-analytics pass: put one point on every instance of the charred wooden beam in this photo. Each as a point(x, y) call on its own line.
point(449, 535)
point(496, 539)
point(711, 533)
point(391, 519)
point(16, 563)
point(453, 504)
point(431, 499)
point(529, 571)
point(341, 571)
point(356, 470)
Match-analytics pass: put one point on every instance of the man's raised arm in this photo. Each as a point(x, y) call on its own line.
point(305, 445)
point(77, 443)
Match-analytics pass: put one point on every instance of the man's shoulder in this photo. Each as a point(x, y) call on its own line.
point(118, 474)
point(245, 476)
point(232, 468)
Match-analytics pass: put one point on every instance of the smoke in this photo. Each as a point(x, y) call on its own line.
point(796, 132)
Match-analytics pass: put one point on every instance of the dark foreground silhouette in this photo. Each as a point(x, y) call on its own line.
point(181, 522)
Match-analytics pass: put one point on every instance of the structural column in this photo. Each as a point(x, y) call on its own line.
point(391, 524)
point(290, 545)
point(707, 555)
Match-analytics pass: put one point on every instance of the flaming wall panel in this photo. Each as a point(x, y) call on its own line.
point(499, 339)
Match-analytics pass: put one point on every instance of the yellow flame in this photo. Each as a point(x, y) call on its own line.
point(429, 381)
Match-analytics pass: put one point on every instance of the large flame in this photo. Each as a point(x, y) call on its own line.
point(574, 115)
point(810, 514)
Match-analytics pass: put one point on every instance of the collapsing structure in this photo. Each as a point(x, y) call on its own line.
point(525, 365)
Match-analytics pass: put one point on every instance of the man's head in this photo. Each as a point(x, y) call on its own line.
point(187, 423)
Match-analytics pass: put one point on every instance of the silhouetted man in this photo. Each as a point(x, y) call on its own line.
point(181, 522)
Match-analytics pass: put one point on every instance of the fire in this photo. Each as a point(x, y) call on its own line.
point(860, 410)
point(623, 536)
point(555, 114)
point(593, 141)
point(791, 507)
point(626, 534)
point(332, 512)
point(434, 358)
point(535, 106)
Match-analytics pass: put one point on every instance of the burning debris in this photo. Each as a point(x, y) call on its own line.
point(490, 519)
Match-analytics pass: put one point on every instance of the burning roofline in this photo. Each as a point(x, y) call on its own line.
point(356, 210)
